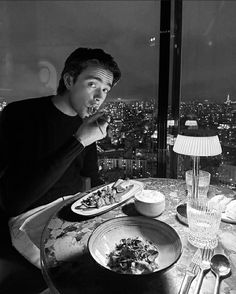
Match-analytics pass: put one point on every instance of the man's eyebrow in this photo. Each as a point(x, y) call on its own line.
point(98, 79)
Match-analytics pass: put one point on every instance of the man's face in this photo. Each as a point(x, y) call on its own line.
point(90, 90)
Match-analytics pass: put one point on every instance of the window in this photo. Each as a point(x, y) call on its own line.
point(35, 41)
point(208, 93)
point(37, 36)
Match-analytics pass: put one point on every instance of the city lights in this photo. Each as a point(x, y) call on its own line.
point(135, 130)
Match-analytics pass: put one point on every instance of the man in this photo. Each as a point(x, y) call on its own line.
point(47, 144)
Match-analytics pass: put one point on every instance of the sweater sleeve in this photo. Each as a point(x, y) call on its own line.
point(90, 167)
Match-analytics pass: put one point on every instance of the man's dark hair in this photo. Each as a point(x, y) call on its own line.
point(81, 58)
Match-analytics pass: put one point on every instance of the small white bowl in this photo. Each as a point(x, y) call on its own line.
point(150, 202)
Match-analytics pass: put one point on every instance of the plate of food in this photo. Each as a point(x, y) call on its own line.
point(132, 245)
point(227, 206)
point(106, 198)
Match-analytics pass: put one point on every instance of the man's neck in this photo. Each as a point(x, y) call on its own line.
point(61, 102)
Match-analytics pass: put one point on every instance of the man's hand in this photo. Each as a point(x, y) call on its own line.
point(92, 129)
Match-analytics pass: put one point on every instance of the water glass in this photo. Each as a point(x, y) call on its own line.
point(203, 184)
point(204, 218)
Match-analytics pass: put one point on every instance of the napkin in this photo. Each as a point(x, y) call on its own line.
point(26, 229)
point(227, 205)
point(221, 200)
point(230, 210)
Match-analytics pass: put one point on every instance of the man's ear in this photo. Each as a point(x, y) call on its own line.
point(68, 81)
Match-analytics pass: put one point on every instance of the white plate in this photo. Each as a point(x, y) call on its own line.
point(226, 219)
point(136, 186)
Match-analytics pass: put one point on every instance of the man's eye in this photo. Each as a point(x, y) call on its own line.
point(106, 91)
point(92, 85)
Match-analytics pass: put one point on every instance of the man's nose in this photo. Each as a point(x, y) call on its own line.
point(99, 95)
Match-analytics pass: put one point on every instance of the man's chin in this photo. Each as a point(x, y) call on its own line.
point(83, 114)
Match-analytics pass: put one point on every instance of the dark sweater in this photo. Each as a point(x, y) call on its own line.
point(41, 158)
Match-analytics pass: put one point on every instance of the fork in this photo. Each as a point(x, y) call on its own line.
point(190, 273)
point(204, 266)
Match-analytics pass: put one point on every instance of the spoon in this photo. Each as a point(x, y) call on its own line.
point(221, 267)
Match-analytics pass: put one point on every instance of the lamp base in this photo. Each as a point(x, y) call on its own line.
point(181, 212)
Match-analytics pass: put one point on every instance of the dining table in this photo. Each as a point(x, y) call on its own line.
point(68, 267)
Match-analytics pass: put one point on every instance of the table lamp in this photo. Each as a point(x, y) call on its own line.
point(196, 143)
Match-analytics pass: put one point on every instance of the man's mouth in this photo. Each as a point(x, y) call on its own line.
point(92, 109)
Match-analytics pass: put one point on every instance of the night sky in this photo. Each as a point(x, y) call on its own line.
point(37, 36)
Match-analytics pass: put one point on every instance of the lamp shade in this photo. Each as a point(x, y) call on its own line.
point(197, 146)
point(191, 123)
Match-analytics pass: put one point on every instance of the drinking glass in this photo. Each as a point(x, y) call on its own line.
point(203, 185)
point(204, 218)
